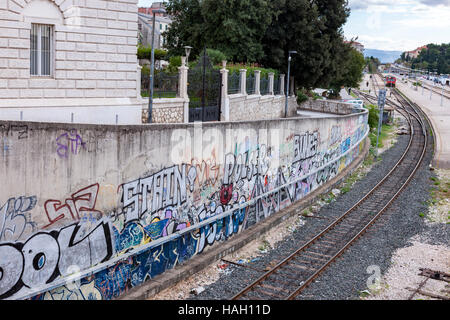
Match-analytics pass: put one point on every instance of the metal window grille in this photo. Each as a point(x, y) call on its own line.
point(41, 50)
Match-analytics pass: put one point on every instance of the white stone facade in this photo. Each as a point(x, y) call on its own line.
point(95, 75)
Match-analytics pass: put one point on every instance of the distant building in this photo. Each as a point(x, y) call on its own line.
point(145, 24)
point(415, 53)
point(149, 10)
point(356, 45)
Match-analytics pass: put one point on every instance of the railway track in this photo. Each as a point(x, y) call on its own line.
point(440, 91)
point(290, 277)
point(445, 92)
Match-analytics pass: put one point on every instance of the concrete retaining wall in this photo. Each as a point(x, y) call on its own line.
point(115, 206)
point(250, 107)
point(328, 106)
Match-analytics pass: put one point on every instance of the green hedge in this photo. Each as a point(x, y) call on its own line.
point(146, 53)
point(234, 68)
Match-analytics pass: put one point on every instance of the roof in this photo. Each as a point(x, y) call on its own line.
point(157, 18)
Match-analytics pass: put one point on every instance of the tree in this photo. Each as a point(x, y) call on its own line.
point(372, 64)
point(264, 31)
point(236, 28)
point(314, 30)
point(186, 28)
point(230, 26)
point(434, 58)
point(350, 74)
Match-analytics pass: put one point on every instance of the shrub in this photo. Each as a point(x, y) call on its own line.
point(216, 56)
point(234, 68)
point(146, 53)
point(373, 116)
point(301, 96)
point(174, 63)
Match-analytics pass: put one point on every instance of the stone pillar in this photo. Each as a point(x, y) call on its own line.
point(271, 79)
point(283, 92)
point(258, 82)
point(243, 81)
point(138, 82)
point(225, 105)
point(182, 87)
point(182, 78)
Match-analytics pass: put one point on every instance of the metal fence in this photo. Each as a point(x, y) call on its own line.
point(234, 83)
point(251, 84)
point(277, 86)
point(165, 85)
point(264, 86)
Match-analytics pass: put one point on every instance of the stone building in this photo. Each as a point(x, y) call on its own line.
point(69, 61)
point(145, 24)
point(415, 53)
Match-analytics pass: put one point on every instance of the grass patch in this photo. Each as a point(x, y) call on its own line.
point(159, 95)
point(386, 131)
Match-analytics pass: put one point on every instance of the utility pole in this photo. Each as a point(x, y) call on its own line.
point(381, 103)
point(152, 67)
point(287, 86)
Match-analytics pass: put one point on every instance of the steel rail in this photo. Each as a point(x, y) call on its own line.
point(342, 217)
point(317, 273)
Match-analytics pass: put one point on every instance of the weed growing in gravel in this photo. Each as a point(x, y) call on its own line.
point(265, 246)
point(439, 201)
point(330, 198)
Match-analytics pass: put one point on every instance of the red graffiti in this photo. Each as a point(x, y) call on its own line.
point(81, 203)
point(226, 192)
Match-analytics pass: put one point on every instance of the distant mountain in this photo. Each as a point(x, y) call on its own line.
point(383, 56)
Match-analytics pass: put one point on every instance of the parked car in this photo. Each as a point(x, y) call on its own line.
point(358, 103)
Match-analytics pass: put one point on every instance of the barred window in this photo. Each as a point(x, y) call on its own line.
point(41, 53)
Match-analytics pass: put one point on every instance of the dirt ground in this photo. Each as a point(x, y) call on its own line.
point(403, 275)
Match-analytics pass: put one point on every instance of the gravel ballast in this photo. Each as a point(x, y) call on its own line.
point(352, 272)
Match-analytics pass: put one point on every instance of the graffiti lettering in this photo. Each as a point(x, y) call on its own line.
point(79, 205)
point(69, 139)
point(305, 146)
point(45, 256)
point(153, 193)
point(14, 218)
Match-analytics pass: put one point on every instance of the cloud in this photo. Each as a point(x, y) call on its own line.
point(365, 4)
point(435, 2)
point(394, 5)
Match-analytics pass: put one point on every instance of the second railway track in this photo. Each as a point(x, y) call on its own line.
point(291, 276)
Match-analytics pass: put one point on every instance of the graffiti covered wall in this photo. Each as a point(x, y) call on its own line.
point(88, 212)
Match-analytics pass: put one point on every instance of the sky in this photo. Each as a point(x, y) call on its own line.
point(398, 25)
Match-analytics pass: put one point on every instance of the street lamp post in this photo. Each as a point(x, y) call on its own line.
point(152, 66)
point(287, 86)
point(187, 49)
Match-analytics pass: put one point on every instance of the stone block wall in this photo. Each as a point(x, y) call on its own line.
point(94, 58)
point(170, 110)
point(250, 107)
